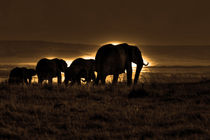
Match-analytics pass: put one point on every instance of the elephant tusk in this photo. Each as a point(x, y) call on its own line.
point(84, 80)
point(146, 64)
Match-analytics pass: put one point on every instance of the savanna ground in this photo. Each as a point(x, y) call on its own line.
point(156, 111)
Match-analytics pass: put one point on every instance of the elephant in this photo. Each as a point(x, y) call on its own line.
point(49, 68)
point(21, 75)
point(115, 59)
point(80, 68)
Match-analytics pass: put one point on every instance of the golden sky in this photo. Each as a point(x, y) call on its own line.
point(76, 28)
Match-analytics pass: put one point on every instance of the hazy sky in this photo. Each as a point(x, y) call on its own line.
point(98, 21)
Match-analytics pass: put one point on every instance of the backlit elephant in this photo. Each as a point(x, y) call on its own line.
point(80, 68)
point(114, 60)
point(21, 75)
point(50, 68)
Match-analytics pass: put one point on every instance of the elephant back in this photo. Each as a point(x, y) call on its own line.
point(91, 64)
point(111, 59)
point(17, 75)
point(61, 65)
point(77, 65)
point(103, 51)
point(86, 64)
point(46, 66)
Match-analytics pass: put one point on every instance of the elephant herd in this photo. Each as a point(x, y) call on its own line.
point(110, 60)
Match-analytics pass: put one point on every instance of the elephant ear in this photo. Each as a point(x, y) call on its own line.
point(136, 56)
point(130, 51)
point(62, 65)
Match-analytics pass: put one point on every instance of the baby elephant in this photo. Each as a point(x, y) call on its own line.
point(80, 68)
point(21, 75)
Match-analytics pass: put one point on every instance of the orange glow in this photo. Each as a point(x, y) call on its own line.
point(112, 42)
point(89, 56)
point(68, 62)
point(148, 60)
point(118, 42)
point(50, 57)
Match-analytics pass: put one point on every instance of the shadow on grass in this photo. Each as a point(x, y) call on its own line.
point(138, 93)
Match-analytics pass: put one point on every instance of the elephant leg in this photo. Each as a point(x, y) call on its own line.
point(78, 81)
point(66, 81)
point(59, 78)
point(129, 74)
point(93, 77)
point(25, 81)
point(115, 78)
point(30, 78)
point(98, 78)
point(103, 79)
point(50, 80)
point(72, 83)
point(138, 70)
point(88, 78)
point(40, 79)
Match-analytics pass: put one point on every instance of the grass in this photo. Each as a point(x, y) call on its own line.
point(156, 111)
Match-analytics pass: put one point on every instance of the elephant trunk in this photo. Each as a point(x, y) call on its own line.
point(138, 70)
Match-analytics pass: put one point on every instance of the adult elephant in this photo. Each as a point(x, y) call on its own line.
point(80, 68)
point(115, 59)
point(21, 75)
point(49, 68)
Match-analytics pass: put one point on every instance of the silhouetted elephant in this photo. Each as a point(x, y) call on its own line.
point(47, 69)
point(80, 68)
point(20, 75)
point(114, 60)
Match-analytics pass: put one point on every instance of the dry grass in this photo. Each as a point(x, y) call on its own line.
point(158, 111)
